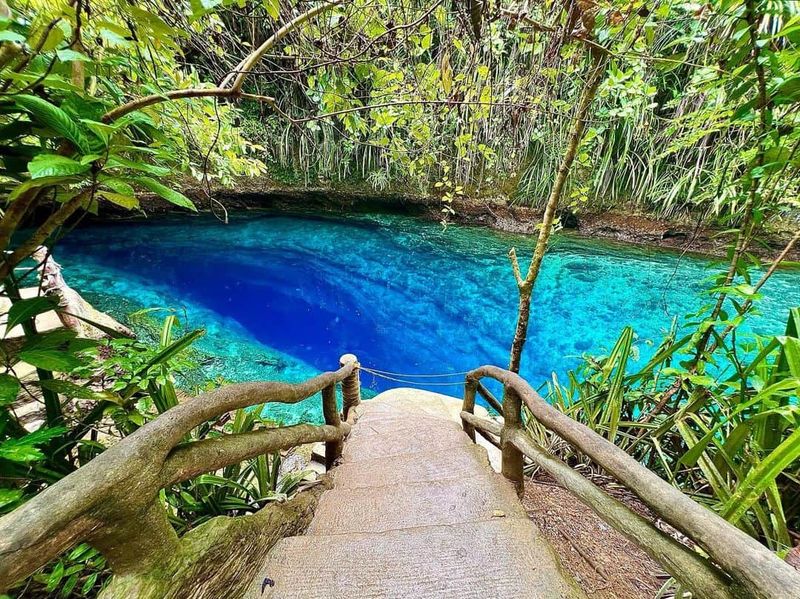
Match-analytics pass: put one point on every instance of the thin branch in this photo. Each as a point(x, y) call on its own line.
point(512, 256)
point(222, 91)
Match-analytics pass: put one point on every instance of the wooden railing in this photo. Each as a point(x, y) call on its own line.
point(113, 501)
point(732, 564)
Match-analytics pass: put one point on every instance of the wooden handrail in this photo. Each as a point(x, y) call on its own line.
point(687, 566)
point(112, 502)
point(752, 569)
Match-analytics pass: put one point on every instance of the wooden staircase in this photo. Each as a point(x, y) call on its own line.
point(415, 511)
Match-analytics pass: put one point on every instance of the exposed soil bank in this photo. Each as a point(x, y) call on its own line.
point(496, 213)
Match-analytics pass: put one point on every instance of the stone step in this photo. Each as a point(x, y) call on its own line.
point(381, 509)
point(385, 422)
point(499, 559)
point(414, 401)
point(465, 462)
point(403, 441)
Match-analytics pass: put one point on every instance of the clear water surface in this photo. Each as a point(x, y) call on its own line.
point(283, 296)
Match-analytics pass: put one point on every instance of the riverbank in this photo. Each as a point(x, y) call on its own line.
point(495, 213)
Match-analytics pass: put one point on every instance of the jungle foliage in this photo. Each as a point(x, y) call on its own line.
point(417, 102)
point(694, 114)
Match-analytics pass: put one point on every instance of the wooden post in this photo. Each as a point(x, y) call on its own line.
point(351, 386)
point(333, 449)
point(470, 387)
point(512, 457)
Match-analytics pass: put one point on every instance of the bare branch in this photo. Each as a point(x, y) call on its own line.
point(512, 256)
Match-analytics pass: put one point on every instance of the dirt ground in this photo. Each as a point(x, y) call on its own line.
point(605, 564)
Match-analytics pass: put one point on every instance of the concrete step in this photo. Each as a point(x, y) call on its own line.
point(498, 559)
point(381, 509)
point(465, 462)
point(444, 438)
point(416, 401)
point(378, 423)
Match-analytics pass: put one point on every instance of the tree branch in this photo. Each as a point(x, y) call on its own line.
point(58, 218)
point(208, 455)
point(241, 72)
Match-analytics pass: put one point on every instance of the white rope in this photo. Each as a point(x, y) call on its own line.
point(408, 382)
point(414, 376)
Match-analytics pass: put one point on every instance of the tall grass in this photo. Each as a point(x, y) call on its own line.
point(729, 436)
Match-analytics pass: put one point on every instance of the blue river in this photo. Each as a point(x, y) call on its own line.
point(283, 296)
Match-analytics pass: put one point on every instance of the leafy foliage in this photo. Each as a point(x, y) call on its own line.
point(728, 437)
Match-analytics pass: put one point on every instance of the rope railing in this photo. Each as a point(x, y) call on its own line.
point(113, 501)
point(737, 565)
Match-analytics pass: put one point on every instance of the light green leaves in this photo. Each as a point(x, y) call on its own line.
point(122, 200)
point(54, 165)
point(11, 36)
point(24, 449)
point(165, 192)
point(761, 477)
point(203, 7)
point(273, 8)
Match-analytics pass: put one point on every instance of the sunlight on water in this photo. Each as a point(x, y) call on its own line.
point(283, 296)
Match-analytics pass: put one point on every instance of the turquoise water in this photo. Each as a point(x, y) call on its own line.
point(282, 297)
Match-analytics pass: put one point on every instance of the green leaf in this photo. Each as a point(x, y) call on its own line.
point(11, 36)
point(16, 450)
point(53, 165)
point(126, 201)
point(119, 161)
point(24, 309)
point(68, 55)
point(118, 186)
point(165, 192)
point(9, 388)
point(54, 118)
point(37, 183)
point(202, 7)
point(8, 496)
point(273, 8)
point(74, 391)
point(53, 360)
point(760, 477)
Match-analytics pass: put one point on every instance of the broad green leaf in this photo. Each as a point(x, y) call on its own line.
point(273, 8)
point(37, 183)
point(126, 201)
point(121, 162)
point(24, 309)
point(54, 360)
point(165, 192)
point(69, 55)
point(11, 36)
point(53, 165)
point(54, 118)
point(118, 185)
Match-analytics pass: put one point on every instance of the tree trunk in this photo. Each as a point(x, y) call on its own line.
point(526, 285)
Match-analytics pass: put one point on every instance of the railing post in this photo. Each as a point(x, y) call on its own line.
point(470, 388)
point(333, 449)
point(512, 457)
point(351, 386)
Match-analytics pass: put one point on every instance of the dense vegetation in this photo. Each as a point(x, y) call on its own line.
point(677, 108)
